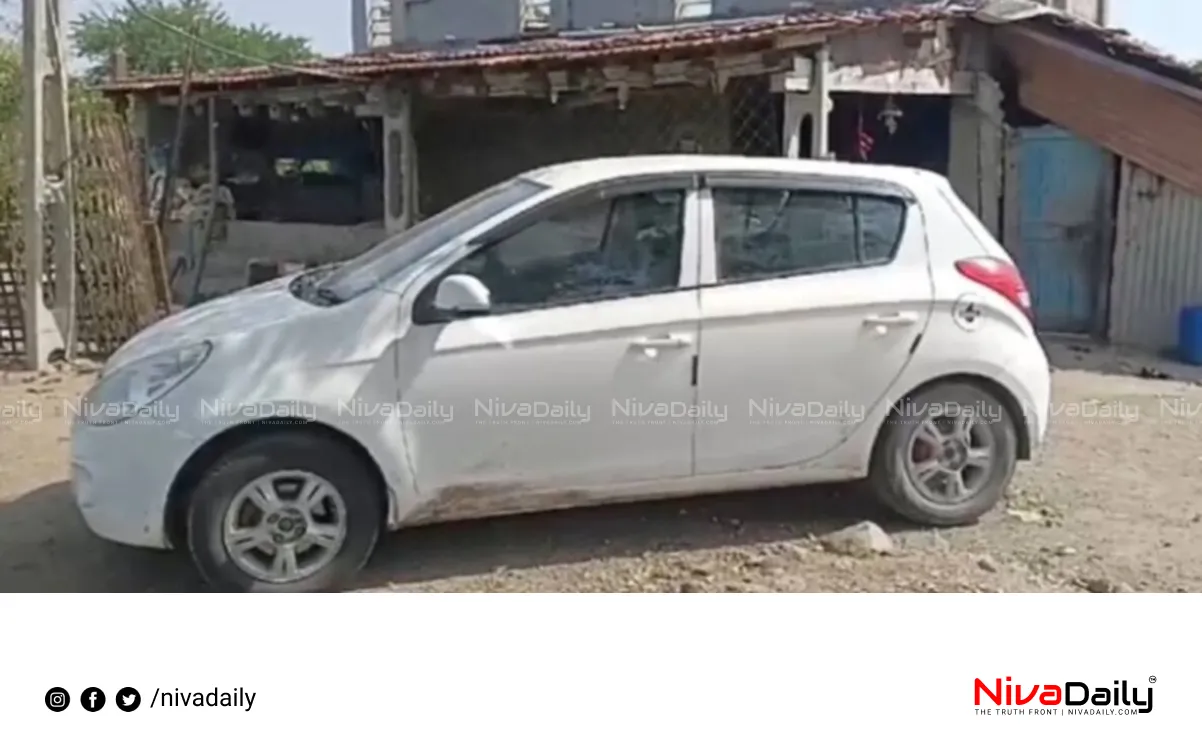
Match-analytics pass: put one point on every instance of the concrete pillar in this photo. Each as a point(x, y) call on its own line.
point(360, 33)
point(807, 93)
point(398, 20)
point(42, 336)
point(962, 150)
point(400, 162)
point(976, 156)
point(796, 108)
point(821, 105)
point(991, 133)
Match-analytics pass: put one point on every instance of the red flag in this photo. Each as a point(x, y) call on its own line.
point(864, 140)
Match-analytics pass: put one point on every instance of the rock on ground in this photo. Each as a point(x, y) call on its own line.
point(859, 540)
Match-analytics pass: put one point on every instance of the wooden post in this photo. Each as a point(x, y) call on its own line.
point(61, 208)
point(118, 65)
point(211, 215)
point(400, 161)
point(177, 144)
point(34, 180)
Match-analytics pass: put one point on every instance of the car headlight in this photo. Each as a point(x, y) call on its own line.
point(134, 388)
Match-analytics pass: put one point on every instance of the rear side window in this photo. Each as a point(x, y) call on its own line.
point(770, 232)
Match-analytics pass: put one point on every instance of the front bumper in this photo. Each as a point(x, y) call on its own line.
point(121, 475)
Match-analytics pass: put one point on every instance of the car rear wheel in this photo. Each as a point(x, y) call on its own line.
point(288, 512)
point(946, 455)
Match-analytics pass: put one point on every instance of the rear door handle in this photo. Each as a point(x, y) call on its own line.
point(662, 341)
point(896, 319)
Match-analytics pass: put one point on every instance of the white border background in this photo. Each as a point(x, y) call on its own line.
point(568, 668)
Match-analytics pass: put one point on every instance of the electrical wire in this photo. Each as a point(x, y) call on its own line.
point(198, 40)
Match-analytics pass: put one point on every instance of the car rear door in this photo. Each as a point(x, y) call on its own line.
point(814, 295)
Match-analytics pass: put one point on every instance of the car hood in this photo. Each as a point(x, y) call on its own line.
point(242, 312)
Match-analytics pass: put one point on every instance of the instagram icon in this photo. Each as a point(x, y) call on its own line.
point(57, 699)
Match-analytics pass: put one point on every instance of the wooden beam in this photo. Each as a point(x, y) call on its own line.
point(301, 94)
point(715, 72)
point(856, 79)
point(905, 81)
point(798, 40)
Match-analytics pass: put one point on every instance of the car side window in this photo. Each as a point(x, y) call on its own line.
point(766, 232)
point(601, 248)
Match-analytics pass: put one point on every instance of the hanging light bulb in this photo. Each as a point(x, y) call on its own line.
point(890, 114)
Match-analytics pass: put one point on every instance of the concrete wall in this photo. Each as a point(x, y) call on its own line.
point(618, 13)
point(359, 31)
point(225, 265)
point(1095, 11)
point(370, 26)
point(727, 8)
point(437, 21)
point(433, 22)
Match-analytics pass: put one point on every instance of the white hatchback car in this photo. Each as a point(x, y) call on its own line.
point(597, 331)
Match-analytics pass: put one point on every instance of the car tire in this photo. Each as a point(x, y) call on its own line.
point(293, 451)
point(893, 478)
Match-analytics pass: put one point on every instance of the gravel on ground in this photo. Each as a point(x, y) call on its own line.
point(1110, 505)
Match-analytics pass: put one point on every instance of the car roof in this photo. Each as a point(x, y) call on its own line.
point(580, 173)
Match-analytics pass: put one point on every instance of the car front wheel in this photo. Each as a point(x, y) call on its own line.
point(287, 512)
point(946, 455)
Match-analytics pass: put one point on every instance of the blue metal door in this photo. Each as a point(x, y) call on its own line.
point(1064, 184)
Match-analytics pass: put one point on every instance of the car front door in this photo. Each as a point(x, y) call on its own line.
point(813, 298)
point(580, 376)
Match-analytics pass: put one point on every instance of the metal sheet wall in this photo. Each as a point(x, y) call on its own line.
point(1157, 259)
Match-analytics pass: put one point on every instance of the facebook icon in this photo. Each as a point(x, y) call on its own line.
point(92, 699)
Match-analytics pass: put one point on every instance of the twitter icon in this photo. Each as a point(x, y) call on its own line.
point(128, 699)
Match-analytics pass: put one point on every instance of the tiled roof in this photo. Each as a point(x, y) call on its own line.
point(579, 47)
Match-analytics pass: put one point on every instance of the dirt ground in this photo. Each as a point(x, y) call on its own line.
point(1111, 505)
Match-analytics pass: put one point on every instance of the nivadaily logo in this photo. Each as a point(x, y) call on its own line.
point(1069, 698)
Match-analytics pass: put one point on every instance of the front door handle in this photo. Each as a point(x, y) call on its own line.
point(662, 341)
point(896, 319)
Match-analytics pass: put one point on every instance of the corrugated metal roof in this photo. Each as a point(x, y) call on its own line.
point(1115, 43)
point(1119, 45)
point(562, 48)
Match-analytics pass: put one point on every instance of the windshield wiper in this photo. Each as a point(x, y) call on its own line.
point(328, 295)
point(307, 286)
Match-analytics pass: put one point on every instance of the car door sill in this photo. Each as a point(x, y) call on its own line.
point(469, 502)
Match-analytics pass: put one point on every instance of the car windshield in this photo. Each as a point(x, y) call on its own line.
point(400, 251)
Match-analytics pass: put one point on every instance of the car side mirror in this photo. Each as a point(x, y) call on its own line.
point(461, 295)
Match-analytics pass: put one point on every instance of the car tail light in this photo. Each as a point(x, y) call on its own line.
point(1001, 276)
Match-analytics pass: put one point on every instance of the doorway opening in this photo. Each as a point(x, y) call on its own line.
point(907, 130)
